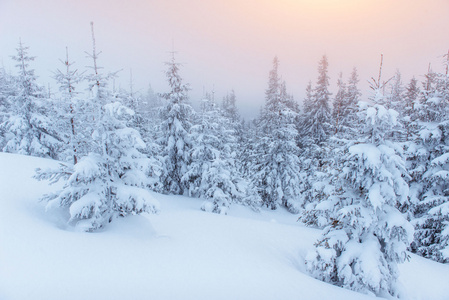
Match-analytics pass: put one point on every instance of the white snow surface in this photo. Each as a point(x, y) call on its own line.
point(182, 253)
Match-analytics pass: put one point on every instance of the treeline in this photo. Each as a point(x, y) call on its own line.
point(373, 174)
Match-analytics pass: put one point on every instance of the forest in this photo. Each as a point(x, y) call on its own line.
point(370, 171)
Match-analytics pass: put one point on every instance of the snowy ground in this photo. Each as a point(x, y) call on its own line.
point(183, 253)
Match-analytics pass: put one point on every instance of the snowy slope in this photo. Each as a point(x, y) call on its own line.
point(183, 253)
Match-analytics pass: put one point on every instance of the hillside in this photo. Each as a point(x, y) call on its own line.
point(182, 253)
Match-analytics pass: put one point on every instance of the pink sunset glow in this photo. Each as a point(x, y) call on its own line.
point(228, 45)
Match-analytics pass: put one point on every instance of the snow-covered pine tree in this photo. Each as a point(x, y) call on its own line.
point(27, 128)
point(289, 99)
point(69, 117)
point(339, 102)
point(233, 122)
point(320, 191)
point(308, 100)
point(229, 107)
point(316, 127)
point(176, 118)
point(415, 153)
point(302, 140)
point(150, 104)
point(396, 93)
point(431, 207)
point(240, 145)
point(368, 237)
point(5, 91)
point(409, 107)
point(213, 173)
point(110, 180)
point(318, 121)
point(147, 122)
point(349, 120)
point(276, 166)
point(247, 142)
point(353, 92)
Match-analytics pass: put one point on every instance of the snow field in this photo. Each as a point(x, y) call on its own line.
point(182, 253)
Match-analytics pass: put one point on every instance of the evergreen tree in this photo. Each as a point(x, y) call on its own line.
point(213, 173)
point(107, 184)
point(316, 124)
point(149, 106)
point(395, 99)
point(175, 130)
point(276, 165)
point(27, 128)
point(368, 237)
point(408, 109)
point(71, 111)
point(316, 129)
point(414, 149)
point(349, 119)
point(339, 102)
point(318, 121)
point(147, 121)
point(229, 108)
point(308, 100)
point(431, 201)
point(320, 190)
point(110, 180)
point(5, 92)
point(234, 124)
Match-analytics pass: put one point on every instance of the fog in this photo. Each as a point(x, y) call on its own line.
point(226, 45)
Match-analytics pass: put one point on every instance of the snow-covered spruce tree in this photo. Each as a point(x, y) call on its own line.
point(303, 142)
point(276, 166)
point(431, 201)
point(146, 121)
point(320, 191)
point(26, 127)
point(5, 91)
point(289, 100)
point(432, 207)
point(175, 139)
point(415, 152)
point(339, 102)
point(234, 124)
point(149, 105)
point(353, 92)
point(110, 180)
point(243, 137)
point(348, 110)
point(315, 129)
point(408, 110)
point(433, 105)
point(360, 250)
point(397, 92)
point(212, 173)
point(130, 99)
point(247, 142)
point(318, 194)
point(71, 113)
point(308, 100)
point(317, 123)
point(229, 108)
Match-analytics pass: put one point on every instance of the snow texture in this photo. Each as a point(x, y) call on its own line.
point(182, 253)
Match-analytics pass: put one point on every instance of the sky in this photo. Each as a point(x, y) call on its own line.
point(225, 45)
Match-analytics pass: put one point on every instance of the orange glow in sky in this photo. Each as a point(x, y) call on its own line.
point(229, 44)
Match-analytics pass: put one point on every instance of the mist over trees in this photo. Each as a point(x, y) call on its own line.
point(369, 170)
